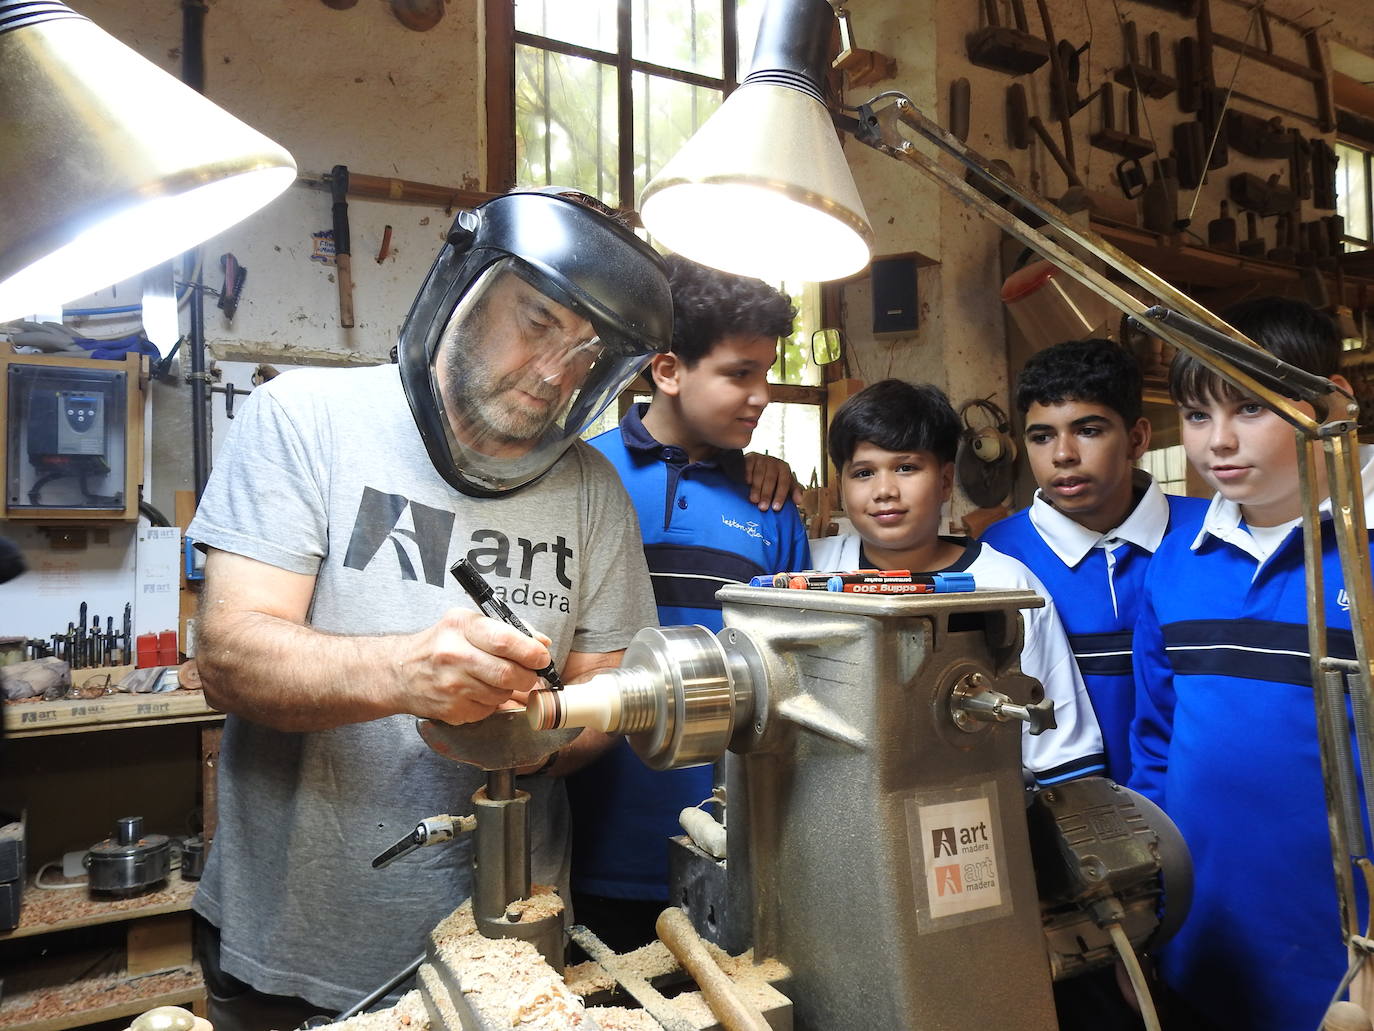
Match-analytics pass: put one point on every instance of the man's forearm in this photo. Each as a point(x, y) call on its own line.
point(293, 677)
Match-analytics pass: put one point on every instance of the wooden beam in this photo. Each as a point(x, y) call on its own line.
point(498, 35)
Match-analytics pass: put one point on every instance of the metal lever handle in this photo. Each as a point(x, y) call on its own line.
point(975, 702)
point(431, 831)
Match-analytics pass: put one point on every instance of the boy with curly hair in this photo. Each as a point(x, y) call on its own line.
point(681, 460)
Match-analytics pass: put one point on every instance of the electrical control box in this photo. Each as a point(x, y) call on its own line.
point(73, 437)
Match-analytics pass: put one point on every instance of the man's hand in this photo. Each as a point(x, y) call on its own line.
point(258, 657)
point(467, 666)
point(771, 481)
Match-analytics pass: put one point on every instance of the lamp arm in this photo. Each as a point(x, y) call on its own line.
point(1073, 249)
point(1192, 328)
point(1292, 382)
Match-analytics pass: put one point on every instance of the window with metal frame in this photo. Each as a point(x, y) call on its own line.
point(1355, 195)
point(598, 95)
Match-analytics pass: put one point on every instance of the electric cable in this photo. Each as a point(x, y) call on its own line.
point(38, 879)
point(1137, 976)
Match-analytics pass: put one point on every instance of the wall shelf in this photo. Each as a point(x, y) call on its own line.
point(47, 911)
point(1189, 265)
point(108, 712)
point(31, 1005)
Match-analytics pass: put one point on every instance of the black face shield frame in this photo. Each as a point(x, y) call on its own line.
point(579, 258)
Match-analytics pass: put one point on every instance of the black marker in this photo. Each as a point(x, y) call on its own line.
point(485, 599)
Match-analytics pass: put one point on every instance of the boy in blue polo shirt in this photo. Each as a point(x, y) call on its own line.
point(1225, 735)
point(680, 458)
point(1096, 520)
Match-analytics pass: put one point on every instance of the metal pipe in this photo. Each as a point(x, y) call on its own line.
point(193, 74)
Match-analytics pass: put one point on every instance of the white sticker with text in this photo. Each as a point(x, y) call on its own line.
point(960, 857)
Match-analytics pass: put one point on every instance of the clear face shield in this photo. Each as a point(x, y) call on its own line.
point(517, 375)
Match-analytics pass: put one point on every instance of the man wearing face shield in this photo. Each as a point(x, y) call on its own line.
point(329, 620)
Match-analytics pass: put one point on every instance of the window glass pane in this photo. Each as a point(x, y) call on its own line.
point(1169, 467)
point(666, 114)
point(747, 14)
point(587, 23)
point(682, 35)
point(795, 365)
point(565, 123)
point(792, 432)
point(1352, 191)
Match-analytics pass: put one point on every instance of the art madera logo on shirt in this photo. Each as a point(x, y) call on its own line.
point(421, 539)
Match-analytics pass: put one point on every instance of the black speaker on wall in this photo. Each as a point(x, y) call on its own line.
point(895, 302)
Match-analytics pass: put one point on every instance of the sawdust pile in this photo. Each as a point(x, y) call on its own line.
point(407, 1015)
point(613, 1018)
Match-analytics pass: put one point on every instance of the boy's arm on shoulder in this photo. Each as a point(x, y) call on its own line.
point(771, 482)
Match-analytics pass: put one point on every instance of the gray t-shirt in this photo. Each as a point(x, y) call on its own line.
point(324, 473)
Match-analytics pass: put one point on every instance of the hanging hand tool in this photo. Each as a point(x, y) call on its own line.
point(1190, 147)
point(234, 275)
point(1221, 231)
point(1323, 175)
point(1188, 74)
point(1149, 79)
point(1253, 246)
point(1252, 193)
point(1212, 115)
point(1018, 117)
point(1300, 165)
point(1055, 152)
point(1159, 204)
point(1014, 51)
point(960, 101)
point(1113, 140)
point(343, 258)
point(1257, 137)
point(1063, 86)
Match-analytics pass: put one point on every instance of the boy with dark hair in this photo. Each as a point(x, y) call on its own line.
point(894, 444)
point(1096, 520)
point(681, 462)
point(1225, 735)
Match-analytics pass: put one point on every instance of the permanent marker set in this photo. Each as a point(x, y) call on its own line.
point(869, 581)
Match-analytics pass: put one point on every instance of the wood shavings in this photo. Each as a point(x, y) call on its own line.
point(616, 1018)
point(46, 911)
point(649, 962)
point(543, 902)
point(506, 980)
point(407, 1015)
point(95, 994)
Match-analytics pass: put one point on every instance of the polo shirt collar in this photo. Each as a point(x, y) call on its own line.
point(642, 444)
point(1072, 542)
point(1223, 518)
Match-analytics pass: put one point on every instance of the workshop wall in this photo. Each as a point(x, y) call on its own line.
point(356, 87)
point(960, 343)
point(352, 87)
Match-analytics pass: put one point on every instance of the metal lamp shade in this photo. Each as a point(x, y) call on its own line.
point(108, 164)
point(762, 189)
